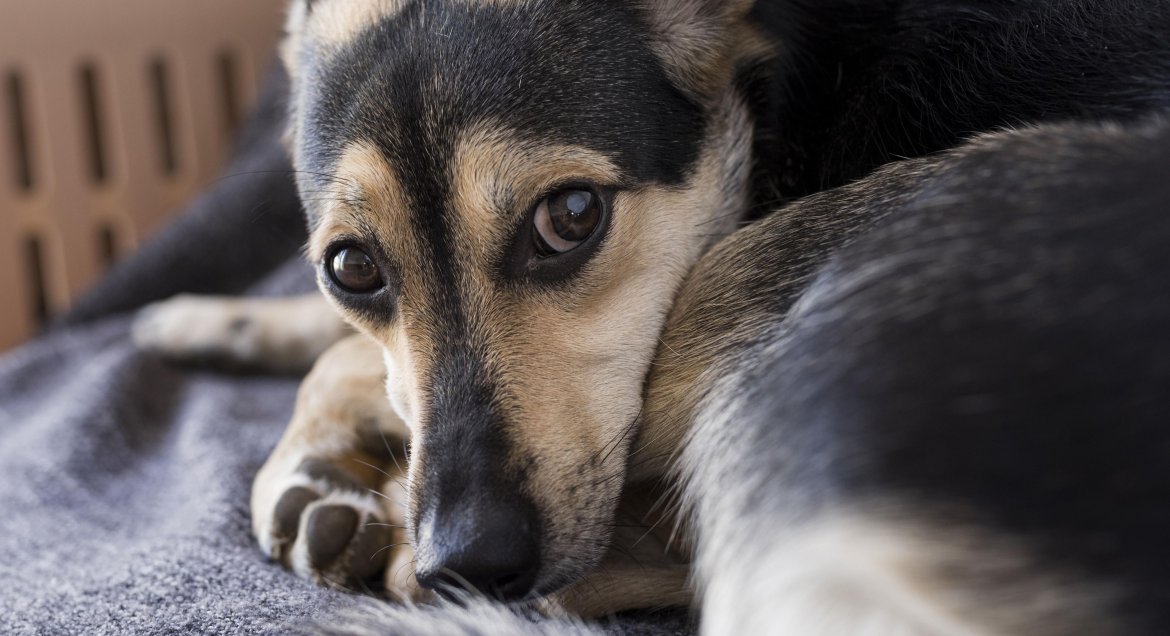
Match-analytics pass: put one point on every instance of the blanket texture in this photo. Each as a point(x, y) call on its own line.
point(124, 480)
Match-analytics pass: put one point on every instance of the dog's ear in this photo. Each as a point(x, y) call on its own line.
point(295, 24)
point(330, 25)
point(294, 27)
point(697, 40)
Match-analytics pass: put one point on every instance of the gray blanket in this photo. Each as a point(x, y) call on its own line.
point(124, 481)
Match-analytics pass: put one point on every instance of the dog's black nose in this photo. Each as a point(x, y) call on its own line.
point(490, 545)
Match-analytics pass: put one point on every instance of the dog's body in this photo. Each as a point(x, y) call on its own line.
point(884, 406)
point(955, 422)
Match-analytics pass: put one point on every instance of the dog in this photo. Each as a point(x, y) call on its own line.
point(531, 211)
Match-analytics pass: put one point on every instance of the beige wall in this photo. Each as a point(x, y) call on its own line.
point(112, 113)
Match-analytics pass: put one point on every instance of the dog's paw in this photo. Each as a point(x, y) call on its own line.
point(327, 526)
point(198, 329)
point(278, 334)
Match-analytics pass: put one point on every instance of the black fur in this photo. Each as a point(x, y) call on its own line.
point(574, 72)
point(983, 331)
point(988, 327)
point(995, 343)
point(862, 83)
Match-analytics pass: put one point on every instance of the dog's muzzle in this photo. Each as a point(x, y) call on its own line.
point(481, 540)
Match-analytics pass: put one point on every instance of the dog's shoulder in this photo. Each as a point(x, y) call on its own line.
point(983, 352)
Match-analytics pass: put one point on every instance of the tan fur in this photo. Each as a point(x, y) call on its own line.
point(341, 397)
point(647, 566)
point(621, 584)
point(600, 332)
point(717, 310)
point(365, 199)
point(696, 334)
point(492, 166)
point(342, 393)
point(576, 353)
point(700, 41)
point(885, 571)
point(369, 203)
point(341, 417)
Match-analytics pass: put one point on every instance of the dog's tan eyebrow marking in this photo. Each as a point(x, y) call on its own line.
point(492, 166)
point(364, 198)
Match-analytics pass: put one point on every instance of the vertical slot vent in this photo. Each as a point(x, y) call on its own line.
point(160, 88)
point(107, 239)
point(14, 92)
point(34, 258)
point(228, 72)
point(95, 135)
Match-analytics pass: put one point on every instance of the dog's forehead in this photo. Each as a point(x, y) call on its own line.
point(419, 78)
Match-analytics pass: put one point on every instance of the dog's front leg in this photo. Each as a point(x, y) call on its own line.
point(330, 501)
point(647, 565)
point(285, 334)
point(621, 584)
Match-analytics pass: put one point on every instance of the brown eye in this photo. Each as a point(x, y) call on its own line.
point(564, 219)
point(354, 271)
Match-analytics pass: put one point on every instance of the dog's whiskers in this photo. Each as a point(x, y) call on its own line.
point(382, 495)
point(386, 443)
point(628, 554)
point(458, 578)
point(614, 443)
point(407, 564)
point(365, 463)
point(387, 547)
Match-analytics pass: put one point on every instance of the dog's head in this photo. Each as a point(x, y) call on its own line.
point(506, 194)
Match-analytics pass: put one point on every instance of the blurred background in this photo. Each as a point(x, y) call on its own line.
point(112, 114)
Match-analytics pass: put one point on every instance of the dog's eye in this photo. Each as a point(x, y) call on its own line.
point(354, 270)
point(564, 219)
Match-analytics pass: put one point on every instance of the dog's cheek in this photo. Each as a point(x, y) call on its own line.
point(402, 376)
point(397, 393)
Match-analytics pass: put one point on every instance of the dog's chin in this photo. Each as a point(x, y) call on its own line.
point(569, 562)
point(563, 574)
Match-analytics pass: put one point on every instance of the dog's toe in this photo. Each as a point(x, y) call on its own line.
point(328, 527)
point(330, 530)
point(287, 517)
point(340, 544)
